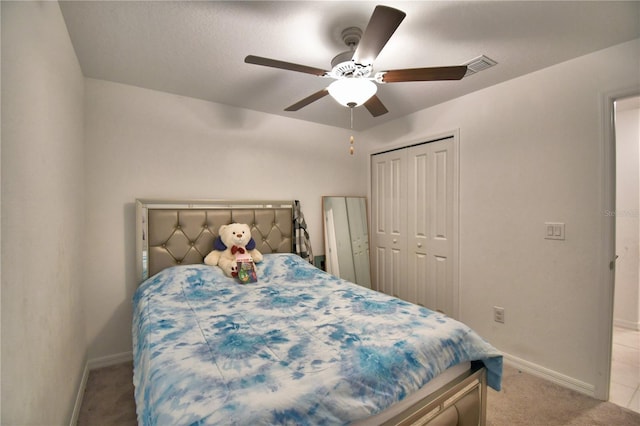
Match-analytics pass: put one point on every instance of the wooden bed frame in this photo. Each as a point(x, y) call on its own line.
point(173, 232)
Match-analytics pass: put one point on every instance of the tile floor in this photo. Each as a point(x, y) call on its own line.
point(625, 369)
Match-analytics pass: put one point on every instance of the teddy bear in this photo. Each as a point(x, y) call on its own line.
point(233, 240)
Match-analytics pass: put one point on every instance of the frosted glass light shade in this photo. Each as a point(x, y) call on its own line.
point(348, 91)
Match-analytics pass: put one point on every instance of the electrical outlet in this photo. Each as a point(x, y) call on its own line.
point(498, 314)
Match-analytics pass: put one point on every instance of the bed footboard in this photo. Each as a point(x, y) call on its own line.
point(462, 403)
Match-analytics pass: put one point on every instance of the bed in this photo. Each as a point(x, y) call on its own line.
point(298, 347)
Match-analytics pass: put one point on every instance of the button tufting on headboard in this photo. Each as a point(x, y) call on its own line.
point(171, 233)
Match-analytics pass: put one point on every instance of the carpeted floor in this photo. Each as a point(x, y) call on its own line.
point(108, 397)
point(529, 400)
point(525, 400)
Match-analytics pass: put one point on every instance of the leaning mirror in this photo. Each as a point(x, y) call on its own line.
point(346, 238)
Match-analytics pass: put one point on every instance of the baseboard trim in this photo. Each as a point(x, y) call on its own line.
point(106, 361)
point(626, 324)
point(75, 415)
point(552, 376)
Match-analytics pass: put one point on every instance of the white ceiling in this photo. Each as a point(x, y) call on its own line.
point(197, 49)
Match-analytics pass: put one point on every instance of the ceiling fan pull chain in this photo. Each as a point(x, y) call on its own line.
point(351, 138)
point(351, 109)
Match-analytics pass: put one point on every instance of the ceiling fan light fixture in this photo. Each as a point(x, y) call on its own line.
point(351, 70)
point(350, 91)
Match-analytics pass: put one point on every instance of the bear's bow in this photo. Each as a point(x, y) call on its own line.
point(236, 249)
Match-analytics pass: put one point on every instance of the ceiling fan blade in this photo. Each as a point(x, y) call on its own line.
point(258, 60)
point(375, 106)
point(309, 99)
point(424, 74)
point(383, 23)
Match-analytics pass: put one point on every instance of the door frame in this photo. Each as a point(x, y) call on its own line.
point(455, 135)
point(608, 233)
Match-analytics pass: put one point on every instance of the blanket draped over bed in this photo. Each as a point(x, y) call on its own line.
point(298, 347)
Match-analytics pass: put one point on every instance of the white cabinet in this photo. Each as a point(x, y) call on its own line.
point(414, 224)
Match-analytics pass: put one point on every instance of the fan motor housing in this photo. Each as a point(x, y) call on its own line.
point(349, 68)
point(342, 65)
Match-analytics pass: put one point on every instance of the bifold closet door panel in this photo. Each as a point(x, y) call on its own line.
point(389, 222)
point(430, 211)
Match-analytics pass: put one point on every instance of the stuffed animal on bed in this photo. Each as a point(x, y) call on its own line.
point(234, 240)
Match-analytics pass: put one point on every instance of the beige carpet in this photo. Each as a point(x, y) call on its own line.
point(524, 400)
point(108, 397)
point(528, 400)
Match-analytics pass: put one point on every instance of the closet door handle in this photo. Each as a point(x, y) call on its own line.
point(395, 241)
point(419, 245)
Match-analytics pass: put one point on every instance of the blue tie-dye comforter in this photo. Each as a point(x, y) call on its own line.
point(297, 347)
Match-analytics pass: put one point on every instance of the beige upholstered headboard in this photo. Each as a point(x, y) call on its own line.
point(171, 233)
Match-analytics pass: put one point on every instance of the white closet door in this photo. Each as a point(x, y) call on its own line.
point(432, 209)
point(389, 221)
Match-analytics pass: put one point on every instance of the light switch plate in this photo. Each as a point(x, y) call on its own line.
point(554, 230)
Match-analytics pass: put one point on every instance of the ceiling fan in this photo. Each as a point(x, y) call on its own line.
point(353, 85)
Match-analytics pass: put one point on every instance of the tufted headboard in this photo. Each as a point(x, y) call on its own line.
point(171, 233)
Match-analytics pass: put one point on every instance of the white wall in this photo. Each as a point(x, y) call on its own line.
point(43, 334)
point(530, 152)
point(627, 289)
point(147, 144)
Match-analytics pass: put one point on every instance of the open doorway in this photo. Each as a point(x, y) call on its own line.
point(624, 389)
